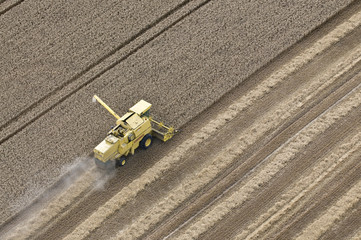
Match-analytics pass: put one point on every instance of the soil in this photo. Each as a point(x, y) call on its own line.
point(267, 97)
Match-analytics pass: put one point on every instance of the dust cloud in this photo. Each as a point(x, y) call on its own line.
point(77, 178)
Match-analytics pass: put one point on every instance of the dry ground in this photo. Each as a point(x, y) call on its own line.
point(276, 157)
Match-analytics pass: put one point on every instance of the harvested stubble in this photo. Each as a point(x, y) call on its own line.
point(291, 200)
point(276, 163)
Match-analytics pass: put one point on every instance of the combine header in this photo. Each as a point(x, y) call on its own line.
point(136, 128)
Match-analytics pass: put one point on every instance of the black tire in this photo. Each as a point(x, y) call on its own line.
point(146, 142)
point(121, 161)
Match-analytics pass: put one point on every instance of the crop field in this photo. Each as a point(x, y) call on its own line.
point(266, 95)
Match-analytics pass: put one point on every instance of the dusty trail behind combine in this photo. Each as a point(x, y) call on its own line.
point(250, 167)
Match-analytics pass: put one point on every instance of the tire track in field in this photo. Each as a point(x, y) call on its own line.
point(274, 117)
point(321, 198)
point(274, 163)
point(348, 225)
point(296, 193)
point(152, 174)
point(335, 212)
point(357, 235)
point(7, 5)
point(57, 91)
point(84, 185)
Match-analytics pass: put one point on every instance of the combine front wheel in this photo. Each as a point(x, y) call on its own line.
point(121, 161)
point(146, 141)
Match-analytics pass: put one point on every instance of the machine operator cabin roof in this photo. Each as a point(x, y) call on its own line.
point(141, 107)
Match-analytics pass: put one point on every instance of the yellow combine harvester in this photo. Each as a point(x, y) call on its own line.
point(136, 128)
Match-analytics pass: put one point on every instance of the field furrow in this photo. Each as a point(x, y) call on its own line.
point(7, 5)
point(181, 56)
point(272, 166)
point(335, 212)
point(285, 207)
point(266, 95)
point(54, 54)
point(80, 187)
point(357, 235)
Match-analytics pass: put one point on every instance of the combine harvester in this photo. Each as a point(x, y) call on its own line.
point(136, 128)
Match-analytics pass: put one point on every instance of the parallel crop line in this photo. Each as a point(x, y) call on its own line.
point(272, 119)
point(303, 186)
point(166, 163)
point(335, 212)
point(8, 5)
point(357, 235)
point(31, 226)
point(273, 164)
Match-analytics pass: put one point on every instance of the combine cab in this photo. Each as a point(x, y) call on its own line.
point(135, 129)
